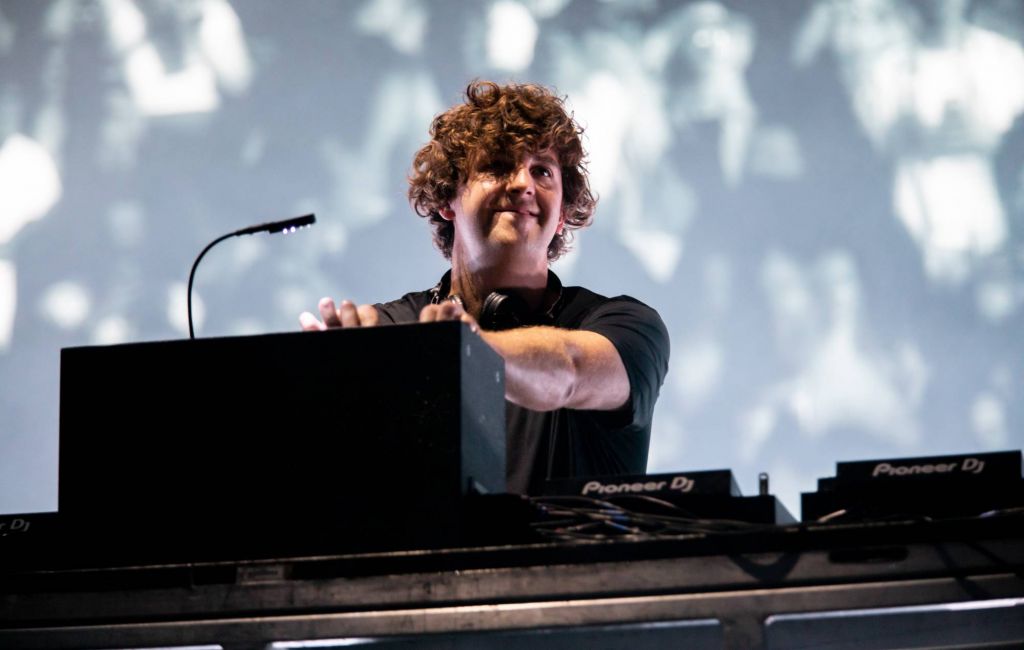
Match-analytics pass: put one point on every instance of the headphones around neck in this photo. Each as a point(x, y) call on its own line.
point(503, 309)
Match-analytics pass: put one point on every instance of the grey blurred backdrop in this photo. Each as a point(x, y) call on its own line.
point(823, 198)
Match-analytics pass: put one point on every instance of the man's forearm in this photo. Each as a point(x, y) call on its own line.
point(548, 368)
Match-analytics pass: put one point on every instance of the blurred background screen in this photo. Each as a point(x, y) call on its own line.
point(823, 198)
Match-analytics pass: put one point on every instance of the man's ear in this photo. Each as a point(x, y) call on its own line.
point(561, 223)
point(447, 213)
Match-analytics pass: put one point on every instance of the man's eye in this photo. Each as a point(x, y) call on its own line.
point(543, 171)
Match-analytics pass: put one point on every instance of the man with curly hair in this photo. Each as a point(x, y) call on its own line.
point(503, 183)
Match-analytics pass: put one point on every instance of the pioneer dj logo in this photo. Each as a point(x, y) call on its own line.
point(969, 466)
point(678, 484)
point(14, 526)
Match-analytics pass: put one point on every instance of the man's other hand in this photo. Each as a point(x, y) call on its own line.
point(344, 315)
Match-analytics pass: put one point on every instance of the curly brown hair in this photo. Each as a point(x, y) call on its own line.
point(496, 126)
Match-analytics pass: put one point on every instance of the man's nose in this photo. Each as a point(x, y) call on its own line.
point(521, 181)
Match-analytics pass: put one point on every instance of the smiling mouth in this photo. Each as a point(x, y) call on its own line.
point(519, 211)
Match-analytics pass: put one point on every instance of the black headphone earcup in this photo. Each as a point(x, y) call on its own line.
point(503, 311)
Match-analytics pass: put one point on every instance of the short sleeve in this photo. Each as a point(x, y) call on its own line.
point(641, 339)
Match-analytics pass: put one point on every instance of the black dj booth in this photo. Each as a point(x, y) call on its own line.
point(237, 493)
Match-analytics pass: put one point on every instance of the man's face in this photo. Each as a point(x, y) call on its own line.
point(508, 211)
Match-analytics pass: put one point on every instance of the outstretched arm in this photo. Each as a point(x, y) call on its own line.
point(548, 368)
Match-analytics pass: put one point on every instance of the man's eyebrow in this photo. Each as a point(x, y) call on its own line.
point(547, 158)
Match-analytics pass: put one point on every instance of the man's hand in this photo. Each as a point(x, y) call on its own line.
point(448, 310)
point(344, 315)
